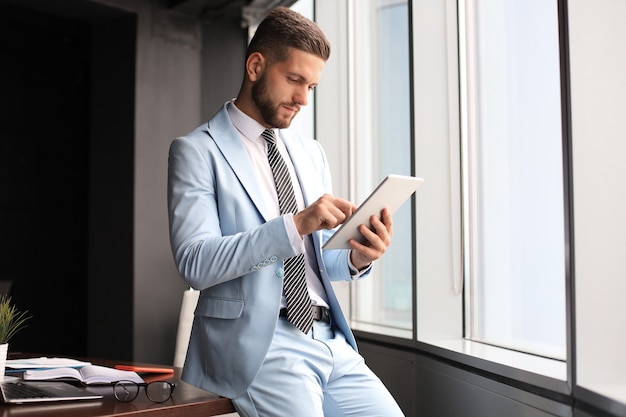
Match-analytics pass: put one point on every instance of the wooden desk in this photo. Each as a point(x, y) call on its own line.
point(186, 400)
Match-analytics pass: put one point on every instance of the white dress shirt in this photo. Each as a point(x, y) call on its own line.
point(250, 132)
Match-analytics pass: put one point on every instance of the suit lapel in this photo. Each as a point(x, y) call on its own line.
point(225, 136)
point(227, 139)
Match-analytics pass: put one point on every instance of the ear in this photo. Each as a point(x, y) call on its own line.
point(255, 65)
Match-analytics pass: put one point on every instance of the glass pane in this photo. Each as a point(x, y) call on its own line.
point(383, 302)
point(514, 175)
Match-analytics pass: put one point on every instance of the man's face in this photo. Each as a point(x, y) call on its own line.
point(283, 87)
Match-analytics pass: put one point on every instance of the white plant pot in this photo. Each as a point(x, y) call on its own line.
point(4, 348)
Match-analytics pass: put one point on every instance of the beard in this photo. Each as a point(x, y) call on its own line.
point(267, 108)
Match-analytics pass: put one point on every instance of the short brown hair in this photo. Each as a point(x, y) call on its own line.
point(284, 28)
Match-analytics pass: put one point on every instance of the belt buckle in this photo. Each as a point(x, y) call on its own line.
point(320, 314)
point(317, 312)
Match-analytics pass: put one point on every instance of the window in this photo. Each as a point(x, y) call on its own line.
point(513, 177)
point(382, 145)
point(419, 290)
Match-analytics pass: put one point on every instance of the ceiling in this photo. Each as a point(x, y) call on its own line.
point(249, 11)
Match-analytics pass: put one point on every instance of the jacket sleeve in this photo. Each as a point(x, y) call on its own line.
point(200, 185)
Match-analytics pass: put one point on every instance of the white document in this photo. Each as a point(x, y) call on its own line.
point(391, 193)
point(44, 363)
point(90, 374)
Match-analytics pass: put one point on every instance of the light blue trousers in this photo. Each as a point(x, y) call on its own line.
point(315, 375)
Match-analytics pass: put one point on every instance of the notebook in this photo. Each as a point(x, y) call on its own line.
point(16, 391)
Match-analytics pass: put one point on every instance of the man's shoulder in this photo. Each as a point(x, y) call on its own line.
point(214, 126)
point(199, 131)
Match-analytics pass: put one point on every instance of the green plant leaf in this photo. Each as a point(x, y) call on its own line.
point(11, 319)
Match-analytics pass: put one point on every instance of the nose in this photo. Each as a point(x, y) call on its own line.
point(301, 96)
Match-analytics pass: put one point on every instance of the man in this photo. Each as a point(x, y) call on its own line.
point(234, 239)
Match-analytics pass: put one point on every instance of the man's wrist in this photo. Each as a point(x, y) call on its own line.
point(354, 270)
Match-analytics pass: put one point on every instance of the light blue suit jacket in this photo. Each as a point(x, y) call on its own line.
point(227, 244)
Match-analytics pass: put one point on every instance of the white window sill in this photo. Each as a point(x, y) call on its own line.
point(538, 371)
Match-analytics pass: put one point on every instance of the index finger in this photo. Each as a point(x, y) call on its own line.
point(345, 206)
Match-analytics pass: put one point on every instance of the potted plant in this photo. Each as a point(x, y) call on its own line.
point(11, 321)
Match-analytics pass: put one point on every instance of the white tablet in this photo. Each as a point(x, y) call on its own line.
point(391, 193)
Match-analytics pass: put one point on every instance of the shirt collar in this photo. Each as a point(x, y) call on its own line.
point(246, 125)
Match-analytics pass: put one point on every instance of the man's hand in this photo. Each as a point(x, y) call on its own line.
point(329, 212)
point(325, 213)
point(378, 239)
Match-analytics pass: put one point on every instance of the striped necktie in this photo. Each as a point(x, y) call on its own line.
point(294, 284)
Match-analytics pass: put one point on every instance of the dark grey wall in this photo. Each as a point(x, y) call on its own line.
point(426, 386)
point(223, 58)
point(111, 188)
point(93, 94)
point(60, 199)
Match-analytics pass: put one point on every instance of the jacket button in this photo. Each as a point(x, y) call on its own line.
point(280, 272)
point(274, 258)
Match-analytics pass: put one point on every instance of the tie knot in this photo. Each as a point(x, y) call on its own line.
point(269, 136)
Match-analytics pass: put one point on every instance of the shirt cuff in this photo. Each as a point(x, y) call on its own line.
point(296, 241)
point(354, 272)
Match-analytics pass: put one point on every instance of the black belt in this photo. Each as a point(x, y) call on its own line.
point(318, 313)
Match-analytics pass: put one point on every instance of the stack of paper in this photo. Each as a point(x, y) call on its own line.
point(64, 368)
point(44, 363)
point(90, 374)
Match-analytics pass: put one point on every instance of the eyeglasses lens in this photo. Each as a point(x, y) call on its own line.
point(159, 391)
point(126, 390)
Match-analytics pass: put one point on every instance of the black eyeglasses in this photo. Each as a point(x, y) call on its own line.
point(156, 391)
